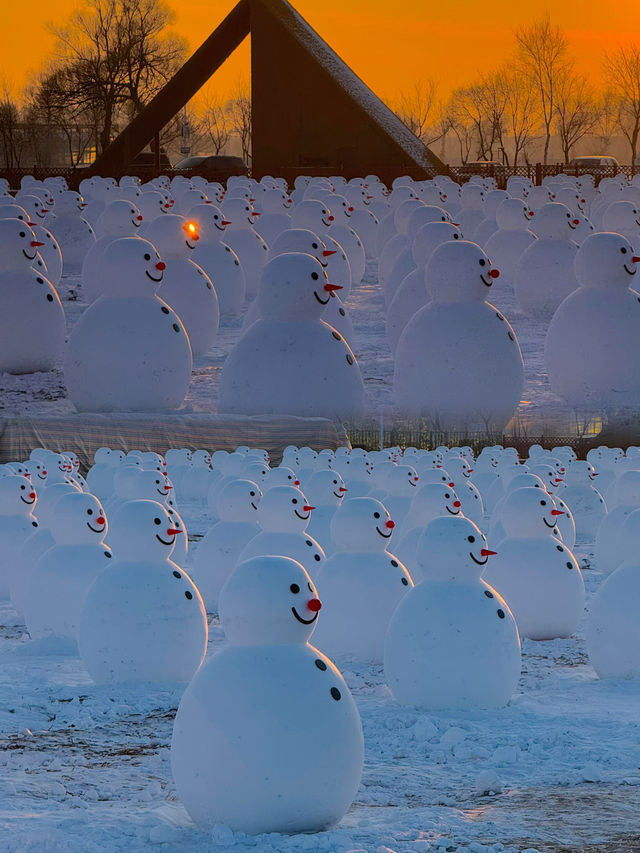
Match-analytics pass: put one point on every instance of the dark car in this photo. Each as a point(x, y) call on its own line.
point(601, 165)
point(146, 160)
point(214, 167)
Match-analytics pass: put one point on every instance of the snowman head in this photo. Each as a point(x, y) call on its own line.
point(472, 196)
point(326, 488)
point(18, 245)
point(402, 481)
point(555, 221)
point(361, 524)
point(281, 476)
point(526, 480)
point(78, 519)
point(238, 501)
point(275, 201)
point(529, 513)
point(142, 530)
point(269, 600)
point(174, 236)
point(452, 549)
point(429, 237)
point(31, 209)
point(312, 214)
point(119, 219)
point(256, 471)
point(513, 214)
point(132, 267)
point(152, 204)
point(301, 240)
point(48, 499)
point(435, 499)
point(458, 467)
point(210, 221)
point(240, 213)
point(459, 271)
point(548, 474)
point(580, 473)
point(284, 509)
point(621, 216)
point(294, 286)
point(607, 260)
point(17, 495)
point(492, 201)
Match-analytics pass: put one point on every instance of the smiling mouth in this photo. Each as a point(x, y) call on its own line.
point(452, 512)
point(630, 271)
point(547, 523)
point(320, 300)
point(219, 228)
point(572, 226)
point(33, 500)
point(338, 495)
point(303, 517)
point(165, 543)
point(136, 224)
point(148, 275)
point(253, 505)
point(384, 535)
point(163, 492)
point(99, 530)
point(479, 562)
point(325, 223)
point(485, 282)
point(189, 244)
point(29, 257)
point(42, 476)
point(324, 264)
point(304, 621)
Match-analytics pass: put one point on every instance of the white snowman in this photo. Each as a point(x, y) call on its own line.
point(17, 522)
point(431, 501)
point(119, 219)
point(361, 584)
point(245, 241)
point(578, 490)
point(453, 642)
point(326, 490)
point(253, 707)
point(143, 618)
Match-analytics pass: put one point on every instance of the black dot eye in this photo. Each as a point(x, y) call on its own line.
point(215, 216)
point(295, 589)
point(471, 538)
point(147, 257)
point(294, 501)
point(455, 236)
point(376, 515)
point(314, 245)
point(482, 262)
point(157, 521)
point(447, 495)
point(543, 503)
point(623, 250)
point(253, 494)
point(314, 276)
point(23, 488)
point(89, 512)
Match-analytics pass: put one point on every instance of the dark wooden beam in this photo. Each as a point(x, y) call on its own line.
point(176, 93)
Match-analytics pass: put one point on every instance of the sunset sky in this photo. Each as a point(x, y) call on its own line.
point(388, 44)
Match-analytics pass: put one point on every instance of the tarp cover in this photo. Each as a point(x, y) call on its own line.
point(84, 433)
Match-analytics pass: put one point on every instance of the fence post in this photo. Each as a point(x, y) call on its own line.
point(381, 428)
point(539, 174)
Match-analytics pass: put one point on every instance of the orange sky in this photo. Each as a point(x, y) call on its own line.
point(389, 44)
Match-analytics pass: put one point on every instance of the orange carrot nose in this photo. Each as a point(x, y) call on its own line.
point(330, 287)
point(635, 259)
point(486, 553)
point(307, 508)
point(35, 243)
point(494, 273)
point(226, 222)
point(173, 531)
point(557, 512)
point(328, 252)
point(314, 604)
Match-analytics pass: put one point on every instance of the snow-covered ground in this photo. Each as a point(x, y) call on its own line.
point(85, 769)
point(540, 410)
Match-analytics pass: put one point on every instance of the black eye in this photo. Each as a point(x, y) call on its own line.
point(89, 512)
point(481, 262)
point(294, 501)
point(314, 276)
point(295, 589)
point(455, 236)
point(157, 521)
point(23, 488)
point(447, 495)
point(22, 234)
point(568, 215)
point(147, 257)
point(314, 245)
point(543, 503)
point(471, 538)
point(623, 250)
point(335, 482)
point(376, 515)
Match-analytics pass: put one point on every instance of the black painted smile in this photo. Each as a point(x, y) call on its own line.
point(629, 271)
point(189, 244)
point(33, 500)
point(384, 535)
point(325, 223)
point(253, 505)
point(223, 228)
point(451, 512)
point(304, 621)
point(303, 517)
point(572, 226)
point(547, 523)
point(163, 542)
point(148, 274)
point(135, 223)
point(320, 300)
point(99, 530)
point(338, 495)
point(479, 562)
point(29, 257)
point(484, 281)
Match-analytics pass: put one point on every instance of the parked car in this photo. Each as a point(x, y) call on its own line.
point(492, 168)
point(602, 164)
point(146, 160)
point(214, 167)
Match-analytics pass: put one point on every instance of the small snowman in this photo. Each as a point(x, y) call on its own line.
point(453, 642)
point(143, 618)
point(17, 523)
point(119, 219)
point(578, 490)
point(245, 241)
point(431, 501)
point(326, 490)
point(74, 234)
point(217, 259)
point(253, 707)
point(362, 582)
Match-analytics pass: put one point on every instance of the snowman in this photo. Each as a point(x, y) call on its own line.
point(488, 225)
point(363, 220)
point(625, 500)
point(400, 489)
point(218, 552)
point(129, 351)
point(470, 498)
point(453, 642)
point(612, 630)
point(326, 490)
point(120, 219)
point(511, 239)
point(431, 501)
point(74, 234)
point(283, 515)
point(313, 215)
point(36, 217)
point(362, 583)
point(535, 572)
point(245, 241)
point(185, 286)
point(290, 361)
point(218, 260)
point(61, 577)
point(17, 522)
point(253, 707)
point(592, 344)
point(100, 476)
point(142, 619)
point(458, 361)
point(343, 232)
point(275, 214)
point(579, 491)
point(32, 328)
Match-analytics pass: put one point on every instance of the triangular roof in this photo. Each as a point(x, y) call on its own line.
point(310, 110)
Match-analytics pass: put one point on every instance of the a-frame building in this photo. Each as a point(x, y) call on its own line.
point(310, 112)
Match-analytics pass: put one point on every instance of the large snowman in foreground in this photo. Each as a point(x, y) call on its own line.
point(267, 737)
point(129, 351)
point(458, 361)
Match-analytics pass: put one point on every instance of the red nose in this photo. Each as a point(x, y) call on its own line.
point(331, 218)
point(45, 473)
point(307, 508)
point(139, 218)
point(557, 512)
point(576, 222)
point(32, 495)
point(255, 213)
point(451, 485)
point(531, 213)
point(416, 479)
point(350, 209)
point(226, 222)
point(470, 471)
point(457, 504)
point(330, 287)
point(314, 604)
point(557, 480)
point(494, 273)
point(487, 553)
point(635, 259)
point(390, 524)
point(296, 482)
point(342, 489)
point(328, 253)
point(100, 520)
point(173, 531)
point(161, 265)
point(35, 243)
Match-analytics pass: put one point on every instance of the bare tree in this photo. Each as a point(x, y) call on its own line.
point(576, 111)
point(238, 110)
point(416, 108)
point(482, 107)
point(454, 121)
point(622, 72)
point(607, 107)
point(215, 126)
point(11, 132)
point(520, 113)
point(543, 54)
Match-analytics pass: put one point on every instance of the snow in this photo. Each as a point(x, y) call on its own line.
point(539, 412)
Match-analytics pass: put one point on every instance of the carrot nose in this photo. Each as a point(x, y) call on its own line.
point(314, 604)
point(342, 489)
point(486, 553)
point(494, 273)
point(557, 512)
point(308, 508)
point(226, 222)
point(35, 243)
point(173, 531)
point(328, 253)
point(390, 524)
point(330, 287)
point(635, 259)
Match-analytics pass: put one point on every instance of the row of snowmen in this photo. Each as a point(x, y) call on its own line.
point(443, 611)
point(205, 255)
